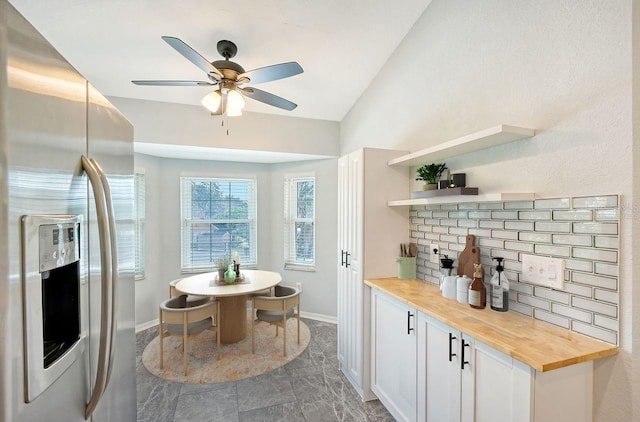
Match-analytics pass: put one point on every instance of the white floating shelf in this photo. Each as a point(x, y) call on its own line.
point(459, 199)
point(487, 138)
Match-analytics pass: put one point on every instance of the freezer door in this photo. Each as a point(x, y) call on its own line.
point(44, 103)
point(110, 144)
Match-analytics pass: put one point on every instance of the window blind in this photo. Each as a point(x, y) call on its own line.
point(139, 224)
point(219, 217)
point(299, 222)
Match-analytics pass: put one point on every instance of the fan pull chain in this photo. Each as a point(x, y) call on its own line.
point(223, 126)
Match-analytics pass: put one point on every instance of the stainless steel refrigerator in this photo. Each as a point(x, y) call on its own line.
point(67, 342)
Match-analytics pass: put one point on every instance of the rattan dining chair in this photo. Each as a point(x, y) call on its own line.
point(181, 317)
point(276, 309)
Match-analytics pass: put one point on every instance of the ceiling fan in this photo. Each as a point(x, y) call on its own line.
point(229, 78)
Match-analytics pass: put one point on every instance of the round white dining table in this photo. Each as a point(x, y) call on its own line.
point(232, 297)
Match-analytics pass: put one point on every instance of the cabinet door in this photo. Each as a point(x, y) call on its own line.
point(343, 275)
point(393, 377)
point(438, 371)
point(495, 387)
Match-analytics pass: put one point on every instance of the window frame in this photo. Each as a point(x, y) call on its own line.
point(186, 242)
point(291, 218)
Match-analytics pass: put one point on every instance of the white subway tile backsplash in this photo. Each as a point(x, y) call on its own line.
point(492, 243)
point(491, 224)
point(606, 269)
point(468, 223)
point(573, 313)
point(555, 250)
point(606, 295)
point(578, 289)
point(595, 280)
point(504, 215)
point(545, 226)
point(607, 214)
point(518, 205)
point(609, 201)
point(551, 318)
point(596, 228)
point(575, 240)
point(604, 322)
point(573, 215)
point(589, 330)
point(608, 242)
point(502, 234)
point(534, 301)
point(595, 254)
point(575, 264)
point(534, 215)
point(595, 306)
point(553, 295)
point(491, 206)
point(519, 246)
point(535, 237)
point(518, 225)
point(558, 203)
point(585, 235)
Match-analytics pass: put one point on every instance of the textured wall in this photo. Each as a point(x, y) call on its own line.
point(583, 231)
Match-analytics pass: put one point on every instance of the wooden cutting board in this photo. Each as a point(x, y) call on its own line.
point(469, 256)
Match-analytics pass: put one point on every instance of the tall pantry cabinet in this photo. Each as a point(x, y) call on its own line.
point(369, 237)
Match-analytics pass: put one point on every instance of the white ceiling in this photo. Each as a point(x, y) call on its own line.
point(341, 44)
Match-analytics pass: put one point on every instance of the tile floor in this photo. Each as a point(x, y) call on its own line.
point(309, 388)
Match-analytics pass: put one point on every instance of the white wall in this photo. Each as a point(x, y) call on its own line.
point(163, 227)
point(562, 68)
point(180, 124)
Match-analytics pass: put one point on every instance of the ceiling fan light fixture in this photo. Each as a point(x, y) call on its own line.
point(234, 101)
point(212, 101)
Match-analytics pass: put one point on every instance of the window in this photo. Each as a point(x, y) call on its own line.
point(218, 218)
point(139, 224)
point(299, 224)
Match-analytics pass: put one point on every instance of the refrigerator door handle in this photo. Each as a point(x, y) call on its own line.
point(106, 320)
point(114, 262)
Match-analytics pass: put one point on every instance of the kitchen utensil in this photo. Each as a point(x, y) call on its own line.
point(473, 258)
point(413, 250)
point(463, 258)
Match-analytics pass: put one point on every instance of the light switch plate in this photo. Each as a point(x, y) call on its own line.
point(543, 271)
point(433, 257)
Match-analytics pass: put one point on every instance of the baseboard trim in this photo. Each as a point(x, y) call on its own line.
point(145, 325)
point(319, 317)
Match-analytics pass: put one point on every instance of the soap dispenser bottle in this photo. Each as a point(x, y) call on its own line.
point(499, 289)
point(477, 292)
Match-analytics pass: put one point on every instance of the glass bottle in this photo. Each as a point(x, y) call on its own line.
point(477, 292)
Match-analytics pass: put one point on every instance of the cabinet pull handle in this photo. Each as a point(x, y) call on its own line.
point(409, 327)
point(462, 361)
point(342, 262)
point(346, 259)
point(451, 354)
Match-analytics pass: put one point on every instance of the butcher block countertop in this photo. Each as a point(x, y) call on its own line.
point(541, 345)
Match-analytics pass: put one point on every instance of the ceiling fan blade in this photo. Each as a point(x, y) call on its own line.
point(268, 98)
point(193, 56)
point(174, 83)
point(273, 72)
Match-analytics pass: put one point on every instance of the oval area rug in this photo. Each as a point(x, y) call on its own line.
point(236, 361)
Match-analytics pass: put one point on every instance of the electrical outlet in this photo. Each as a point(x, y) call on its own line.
point(299, 287)
point(433, 256)
point(548, 272)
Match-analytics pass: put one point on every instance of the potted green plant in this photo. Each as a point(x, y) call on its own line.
point(430, 173)
point(222, 264)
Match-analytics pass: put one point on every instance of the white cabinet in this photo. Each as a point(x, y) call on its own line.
point(369, 235)
point(461, 379)
point(393, 355)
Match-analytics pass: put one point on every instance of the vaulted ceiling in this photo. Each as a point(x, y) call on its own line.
point(341, 44)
